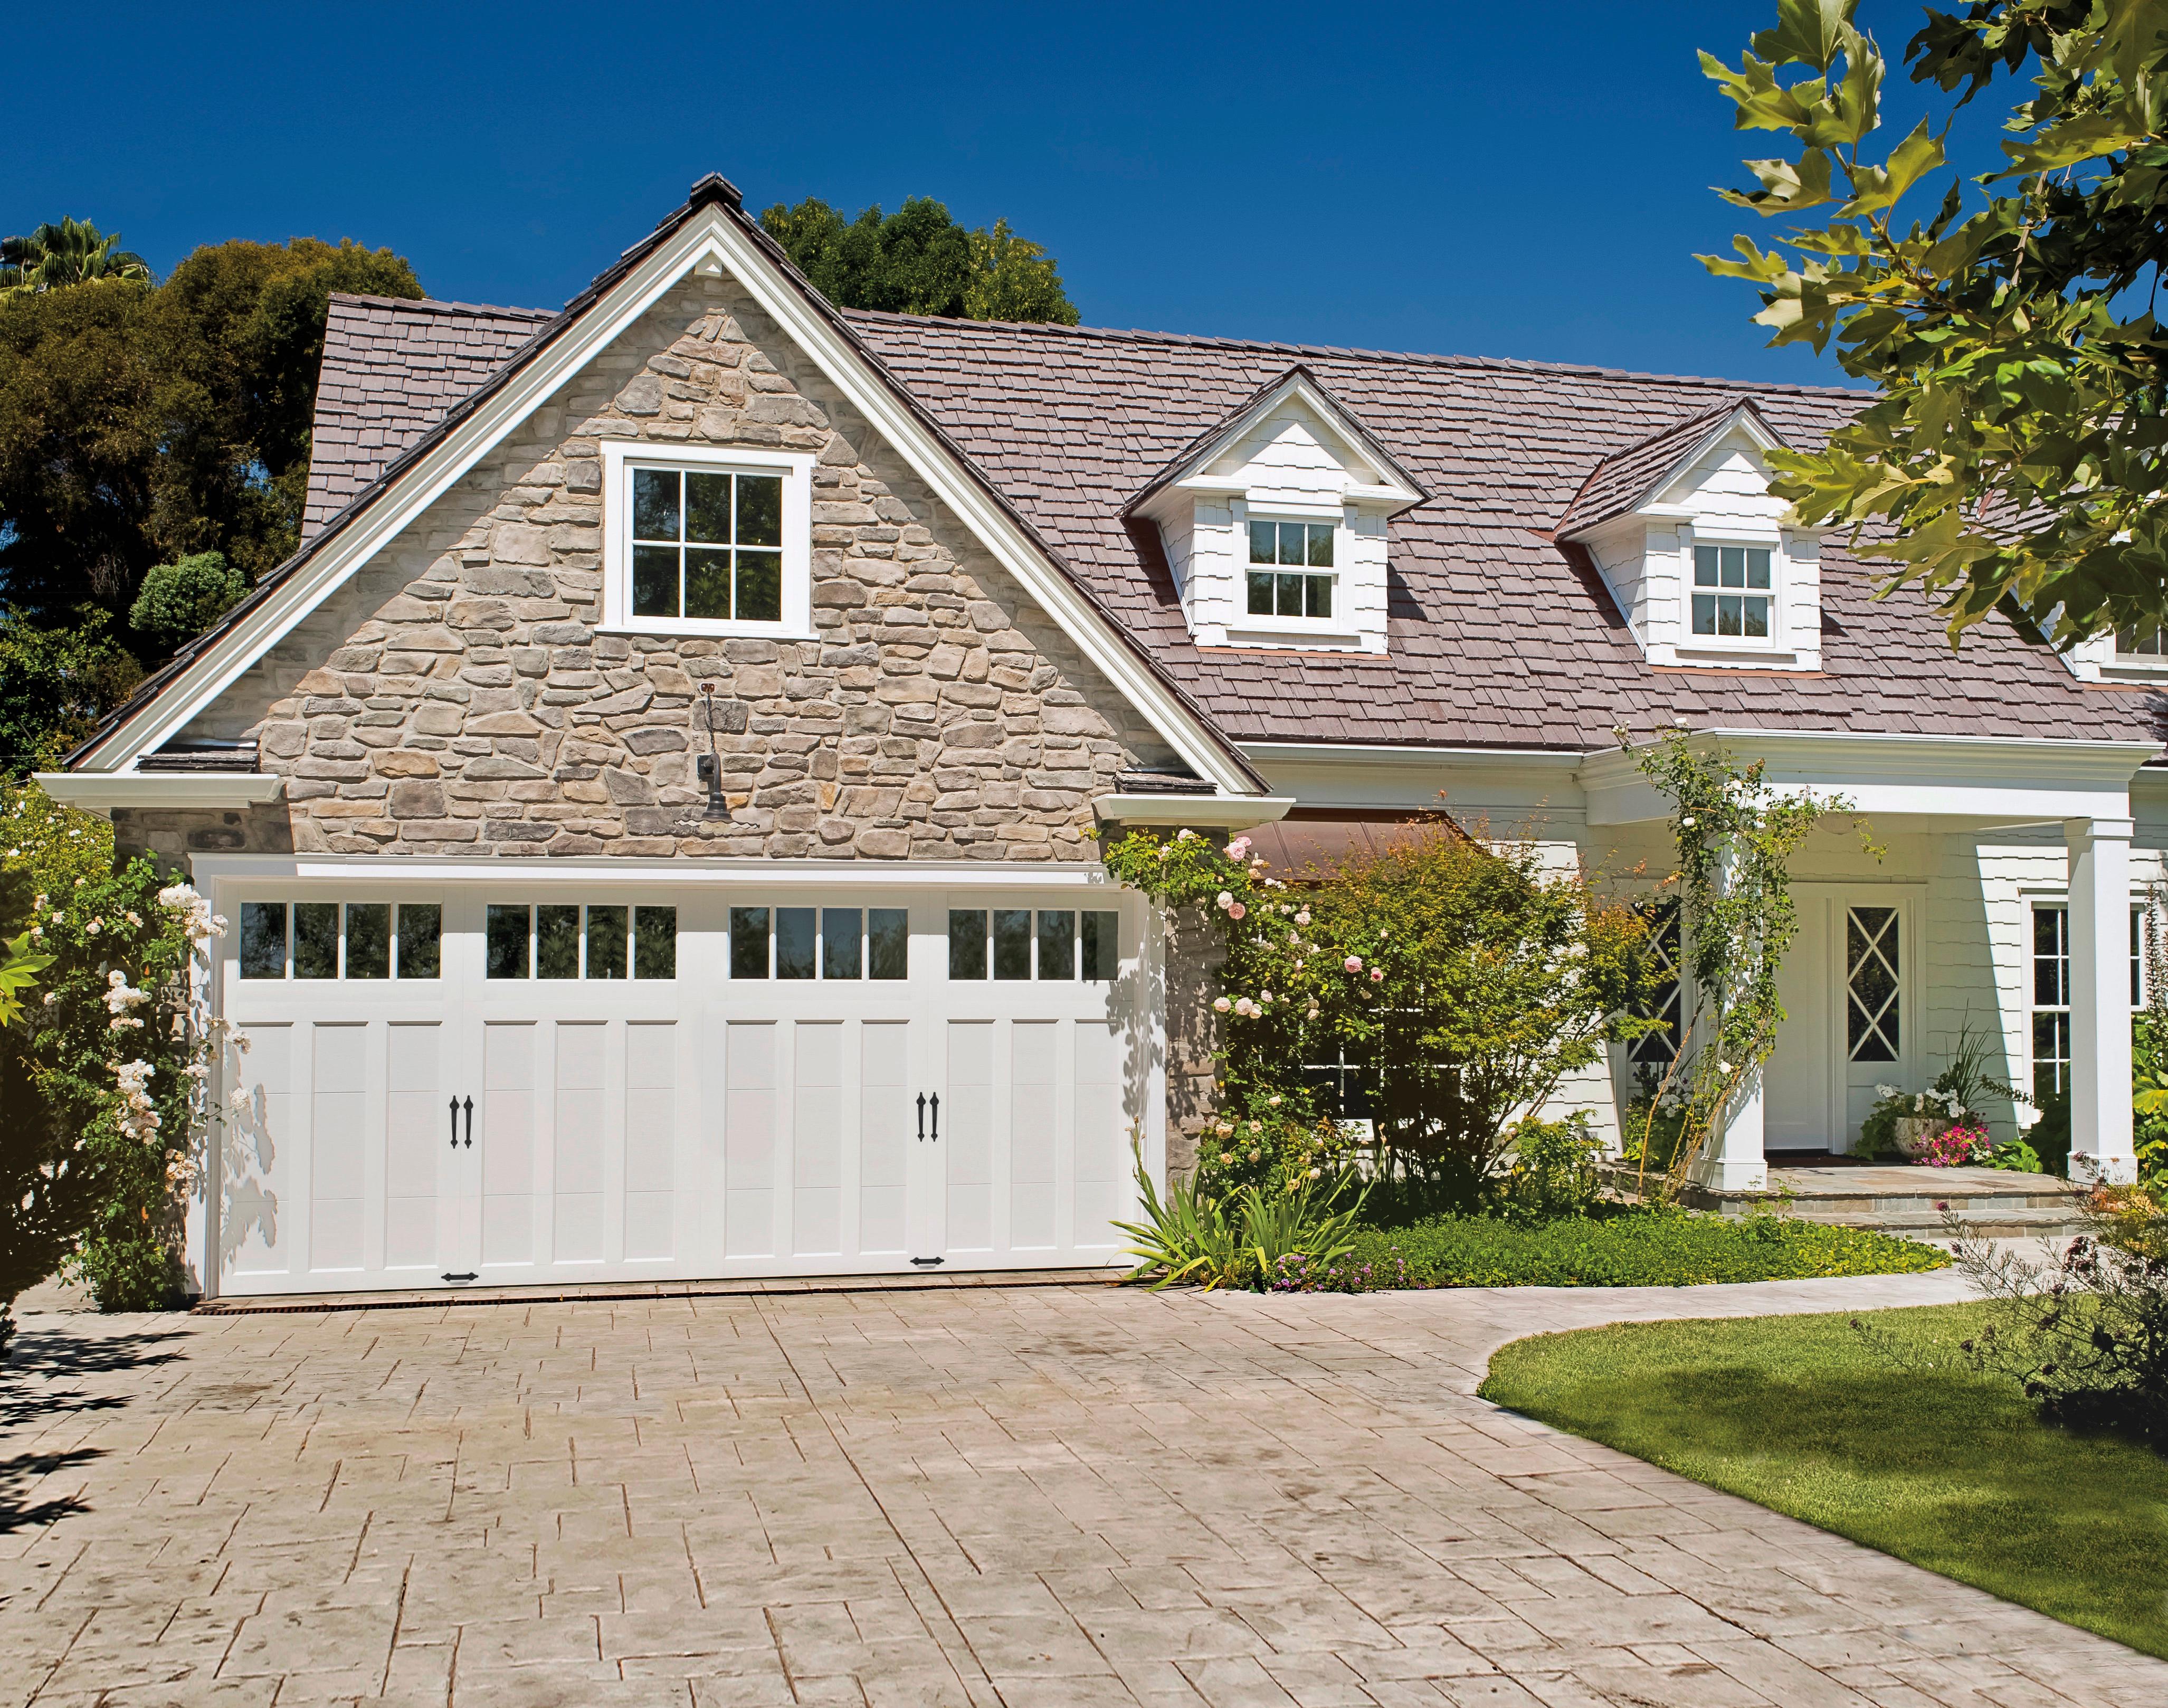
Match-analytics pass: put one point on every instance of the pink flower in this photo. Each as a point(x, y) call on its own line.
point(1222, 900)
point(1303, 918)
point(1237, 910)
point(1377, 973)
point(1222, 1004)
point(1354, 963)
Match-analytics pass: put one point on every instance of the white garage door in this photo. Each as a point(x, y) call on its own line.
point(476, 1086)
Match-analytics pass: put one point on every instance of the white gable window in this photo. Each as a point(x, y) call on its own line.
point(1275, 523)
point(698, 540)
point(1290, 573)
point(1732, 594)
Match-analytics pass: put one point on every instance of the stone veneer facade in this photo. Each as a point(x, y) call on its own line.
point(453, 698)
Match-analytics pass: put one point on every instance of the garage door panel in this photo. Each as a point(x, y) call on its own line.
point(749, 1135)
point(651, 1139)
point(1099, 1142)
point(885, 1136)
point(1032, 1139)
point(967, 1136)
point(339, 1124)
point(817, 1130)
point(579, 1128)
point(260, 1140)
point(414, 1142)
point(507, 1142)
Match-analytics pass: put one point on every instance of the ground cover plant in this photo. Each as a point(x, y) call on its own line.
point(1652, 1247)
point(1929, 1460)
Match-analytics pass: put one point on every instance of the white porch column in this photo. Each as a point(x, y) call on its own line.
point(1736, 1162)
point(2100, 999)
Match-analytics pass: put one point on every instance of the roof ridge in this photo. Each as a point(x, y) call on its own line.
point(1348, 352)
point(436, 304)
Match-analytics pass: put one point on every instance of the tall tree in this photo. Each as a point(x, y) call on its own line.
point(918, 260)
point(2014, 459)
point(138, 424)
point(74, 252)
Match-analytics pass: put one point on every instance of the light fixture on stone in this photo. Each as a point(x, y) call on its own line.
point(710, 764)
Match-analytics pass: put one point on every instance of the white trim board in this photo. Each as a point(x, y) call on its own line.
point(709, 239)
point(674, 871)
point(101, 791)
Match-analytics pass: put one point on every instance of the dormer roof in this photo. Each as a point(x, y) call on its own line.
point(1390, 485)
point(1627, 479)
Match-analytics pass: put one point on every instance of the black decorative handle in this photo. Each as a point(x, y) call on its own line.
point(455, 1123)
point(937, 1117)
point(470, 1109)
point(921, 1117)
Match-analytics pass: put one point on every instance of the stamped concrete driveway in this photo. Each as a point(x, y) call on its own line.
point(1021, 1496)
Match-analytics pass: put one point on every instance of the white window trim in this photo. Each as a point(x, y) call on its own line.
point(1778, 640)
point(1340, 626)
point(621, 456)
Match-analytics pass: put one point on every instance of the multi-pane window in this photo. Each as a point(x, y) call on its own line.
point(342, 939)
point(1873, 965)
point(821, 943)
point(2141, 643)
point(1663, 1002)
point(1290, 587)
point(707, 545)
point(1024, 943)
point(566, 941)
point(1346, 1084)
point(2051, 993)
point(1731, 591)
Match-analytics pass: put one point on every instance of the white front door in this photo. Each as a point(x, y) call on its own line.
point(1849, 990)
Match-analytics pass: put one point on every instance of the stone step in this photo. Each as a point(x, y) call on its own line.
point(2023, 1223)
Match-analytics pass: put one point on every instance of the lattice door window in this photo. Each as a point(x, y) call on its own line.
point(1872, 966)
point(1663, 1002)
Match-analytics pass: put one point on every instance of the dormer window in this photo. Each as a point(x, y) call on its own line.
point(1292, 588)
point(1276, 523)
point(2149, 644)
point(1732, 593)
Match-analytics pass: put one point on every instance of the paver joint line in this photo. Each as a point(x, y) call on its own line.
point(992, 1496)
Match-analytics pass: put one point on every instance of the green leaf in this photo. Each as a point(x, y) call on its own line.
point(1785, 188)
point(1811, 32)
point(1877, 188)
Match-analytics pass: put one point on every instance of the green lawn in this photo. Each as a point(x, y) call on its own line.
point(1643, 1248)
point(1932, 1464)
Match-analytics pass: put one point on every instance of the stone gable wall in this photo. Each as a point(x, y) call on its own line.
point(453, 698)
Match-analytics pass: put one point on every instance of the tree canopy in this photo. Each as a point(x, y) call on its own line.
point(2013, 460)
point(72, 252)
point(141, 422)
point(918, 260)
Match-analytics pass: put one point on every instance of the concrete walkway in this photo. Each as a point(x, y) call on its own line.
point(1056, 1496)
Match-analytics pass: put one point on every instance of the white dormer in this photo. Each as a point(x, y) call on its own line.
point(1706, 564)
point(2123, 654)
point(1275, 523)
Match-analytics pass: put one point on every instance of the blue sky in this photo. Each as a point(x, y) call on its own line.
point(1527, 181)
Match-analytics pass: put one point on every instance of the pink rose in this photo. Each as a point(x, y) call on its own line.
point(1377, 973)
point(1237, 910)
point(1354, 963)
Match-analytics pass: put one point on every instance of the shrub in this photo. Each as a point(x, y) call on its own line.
point(1554, 1169)
point(1243, 1238)
point(181, 599)
point(1653, 1248)
point(2086, 1333)
point(1472, 976)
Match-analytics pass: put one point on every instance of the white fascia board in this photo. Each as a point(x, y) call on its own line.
point(1978, 778)
point(101, 791)
point(1221, 811)
point(708, 236)
point(675, 872)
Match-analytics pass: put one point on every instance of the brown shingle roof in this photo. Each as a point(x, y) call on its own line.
point(1499, 636)
point(1626, 478)
point(392, 370)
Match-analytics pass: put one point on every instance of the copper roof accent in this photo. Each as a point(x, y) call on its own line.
point(1627, 479)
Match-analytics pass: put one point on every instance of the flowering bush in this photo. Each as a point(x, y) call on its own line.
point(102, 1080)
point(1475, 979)
point(1958, 1146)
